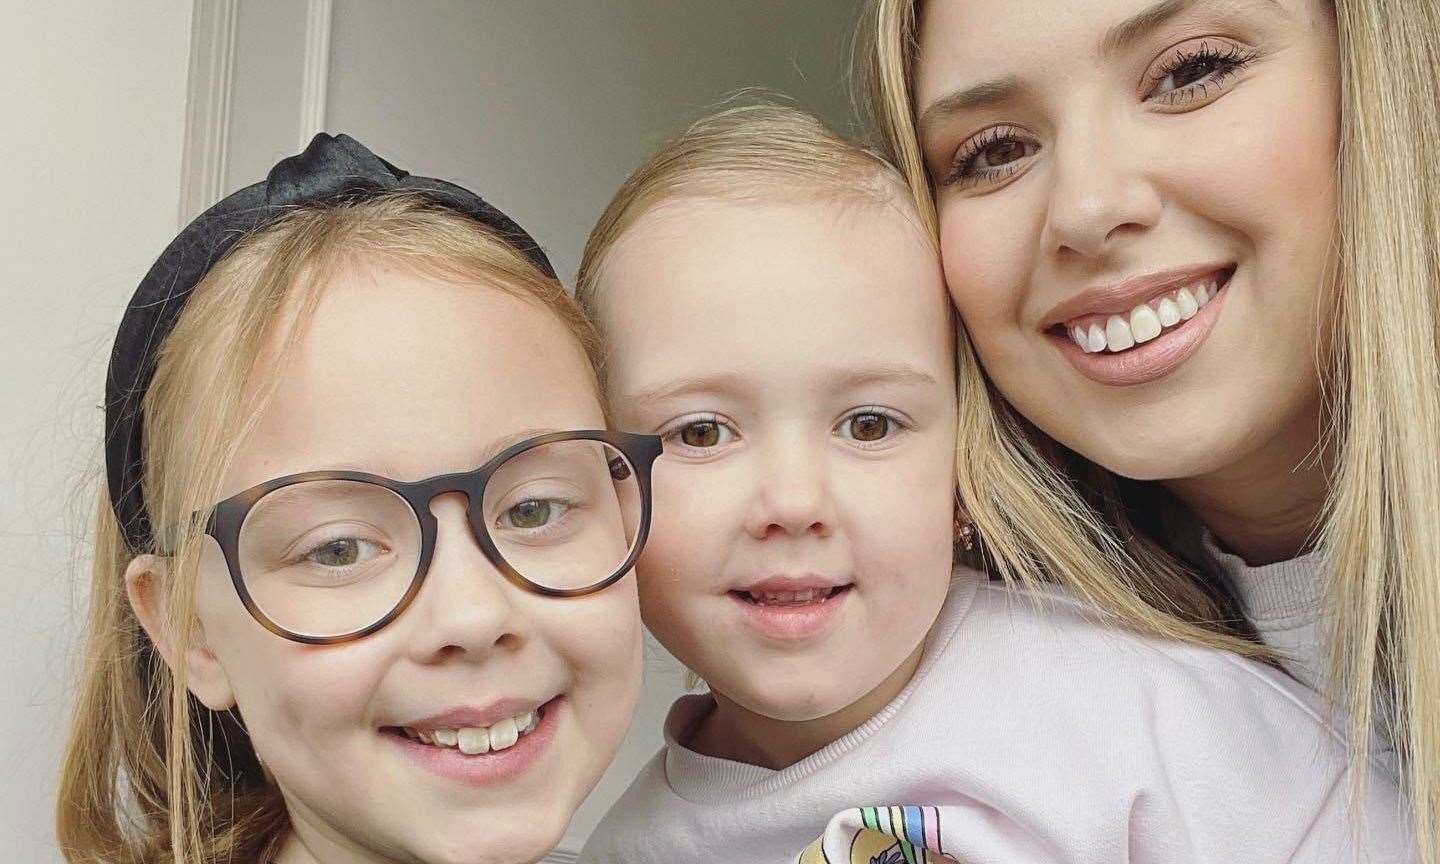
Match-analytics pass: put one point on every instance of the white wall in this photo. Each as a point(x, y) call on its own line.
point(93, 101)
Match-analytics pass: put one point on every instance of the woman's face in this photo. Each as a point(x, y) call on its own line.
point(407, 377)
point(1136, 206)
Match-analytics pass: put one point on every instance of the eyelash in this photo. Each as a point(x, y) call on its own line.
point(899, 423)
point(1228, 62)
point(973, 149)
point(673, 432)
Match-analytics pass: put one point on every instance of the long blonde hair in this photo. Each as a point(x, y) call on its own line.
point(1380, 531)
point(150, 774)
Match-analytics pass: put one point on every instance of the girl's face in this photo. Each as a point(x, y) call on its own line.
point(1137, 202)
point(406, 377)
point(797, 359)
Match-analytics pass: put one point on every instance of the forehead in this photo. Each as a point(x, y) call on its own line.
point(407, 375)
point(959, 38)
point(697, 277)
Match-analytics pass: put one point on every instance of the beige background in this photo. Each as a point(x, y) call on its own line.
point(541, 106)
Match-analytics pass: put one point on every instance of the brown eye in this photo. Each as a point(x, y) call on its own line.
point(869, 426)
point(705, 433)
point(1003, 153)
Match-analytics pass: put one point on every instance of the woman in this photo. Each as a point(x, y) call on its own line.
point(1193, 245)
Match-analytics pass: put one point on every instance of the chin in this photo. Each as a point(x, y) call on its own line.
point(520, 841)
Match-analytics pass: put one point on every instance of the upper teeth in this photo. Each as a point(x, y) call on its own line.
point(473, 740)
point(806, 596)
point(1145, 321)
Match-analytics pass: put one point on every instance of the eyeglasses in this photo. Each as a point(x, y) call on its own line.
point(330, 556)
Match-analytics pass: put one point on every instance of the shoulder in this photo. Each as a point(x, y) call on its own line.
point(1047, 645)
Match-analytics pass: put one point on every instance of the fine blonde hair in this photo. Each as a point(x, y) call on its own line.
point(151, 775)
point(760, 149)
point(1380, 531)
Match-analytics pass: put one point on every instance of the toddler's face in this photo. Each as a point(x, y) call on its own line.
point(409, 378)
point(798, 360)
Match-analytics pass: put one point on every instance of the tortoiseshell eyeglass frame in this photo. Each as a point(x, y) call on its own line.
point(641, 451)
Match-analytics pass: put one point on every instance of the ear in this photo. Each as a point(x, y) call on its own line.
point(204, 676)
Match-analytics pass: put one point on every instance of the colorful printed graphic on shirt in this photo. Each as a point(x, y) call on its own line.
point(880, 835)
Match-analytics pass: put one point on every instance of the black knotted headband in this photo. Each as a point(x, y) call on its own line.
point(332, 170)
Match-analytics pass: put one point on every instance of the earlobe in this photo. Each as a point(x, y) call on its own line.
point(204, 676)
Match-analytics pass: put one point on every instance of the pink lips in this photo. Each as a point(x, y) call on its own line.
point(1151, 360)
point(792, 621)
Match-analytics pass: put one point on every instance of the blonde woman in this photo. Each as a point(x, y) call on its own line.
point(331, 664)
point(1194, 246)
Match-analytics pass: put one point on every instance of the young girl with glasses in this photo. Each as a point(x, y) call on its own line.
point(361, 584)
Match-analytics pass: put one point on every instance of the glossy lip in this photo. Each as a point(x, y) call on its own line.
point(485, 768)
point(797, 621)
point(1152, 360)
point(1119, 297)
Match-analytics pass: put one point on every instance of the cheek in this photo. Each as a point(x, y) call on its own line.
point(988, 247)
point(598, 639)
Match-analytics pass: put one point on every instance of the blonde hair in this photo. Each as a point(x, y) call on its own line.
point(1380, 531)
point(150, 774)
point(757, 150)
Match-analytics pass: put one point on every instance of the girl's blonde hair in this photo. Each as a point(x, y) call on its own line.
point(756, 150)
point(150, 774)
point(1381, 533)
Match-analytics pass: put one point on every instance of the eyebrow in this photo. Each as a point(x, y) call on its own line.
point(839, 378)
point(1121, 36)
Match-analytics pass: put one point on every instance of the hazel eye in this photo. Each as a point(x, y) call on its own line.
point(343, 552)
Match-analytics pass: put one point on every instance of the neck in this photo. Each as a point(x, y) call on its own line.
point(734, 732)
point(1266, 506)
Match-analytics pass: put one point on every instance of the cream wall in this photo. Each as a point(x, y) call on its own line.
point(93, 101)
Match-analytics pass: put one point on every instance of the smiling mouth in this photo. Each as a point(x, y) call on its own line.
point(1157, 316)
point(475, 740)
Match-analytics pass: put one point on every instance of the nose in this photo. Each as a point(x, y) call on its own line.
point(793, 495)
point(466, 607)
point(1098, 194)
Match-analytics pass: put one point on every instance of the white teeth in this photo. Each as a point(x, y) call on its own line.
point(1117, 334)
point(804, 596)
point(474, 740)
point(504, 734)
point(1146, 321)
point(1144, 324)
point(1186, 301)
point(1096, 339)
point(1168, 312)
